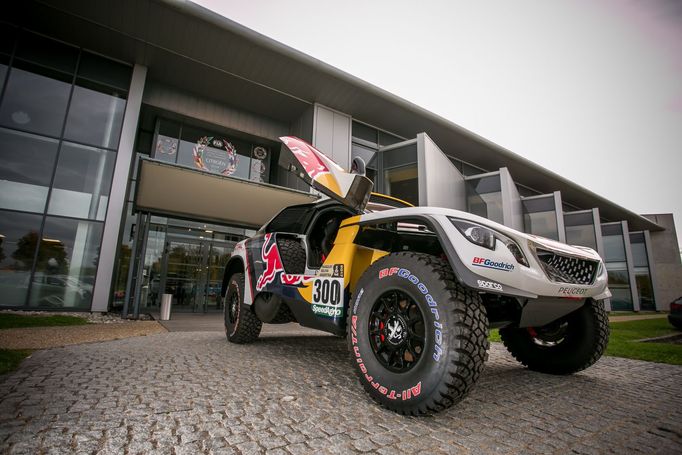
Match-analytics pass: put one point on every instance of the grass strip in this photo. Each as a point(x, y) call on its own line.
point(15, 321)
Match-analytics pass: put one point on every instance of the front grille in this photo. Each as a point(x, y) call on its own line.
point(567, 269)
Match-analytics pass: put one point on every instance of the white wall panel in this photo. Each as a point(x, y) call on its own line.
point(440, 182)
point(331, 134)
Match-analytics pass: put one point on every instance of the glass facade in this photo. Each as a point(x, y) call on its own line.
point(61, 114)
point(640, 262)
point(540, 217)
point(580, 229)
point(484, 197)
point(616, 265)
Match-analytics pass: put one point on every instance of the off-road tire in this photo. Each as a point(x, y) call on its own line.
point(461, 326)
point(293, 255)
point(586, 337)
point(244, 327)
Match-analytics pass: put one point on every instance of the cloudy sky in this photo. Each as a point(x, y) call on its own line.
point(589, 89)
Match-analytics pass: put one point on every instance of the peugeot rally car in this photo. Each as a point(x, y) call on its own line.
point(414, 289)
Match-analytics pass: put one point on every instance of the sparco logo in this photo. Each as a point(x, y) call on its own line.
point(488, 264)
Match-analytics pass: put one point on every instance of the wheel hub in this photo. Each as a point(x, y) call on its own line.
point(395, 330)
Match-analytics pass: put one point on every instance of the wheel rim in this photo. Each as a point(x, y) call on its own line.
point(233, 307)
point(550, 335)
point(396, 331)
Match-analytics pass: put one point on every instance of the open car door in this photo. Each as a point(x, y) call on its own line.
point(323, 174)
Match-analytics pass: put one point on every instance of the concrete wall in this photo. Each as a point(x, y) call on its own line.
point(666, 261)
point(512, 210)
point(303, 126)
point(440, 183)
point(331, 134)
point(187, 104)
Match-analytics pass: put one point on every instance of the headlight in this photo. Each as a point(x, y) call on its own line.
point(486, 237)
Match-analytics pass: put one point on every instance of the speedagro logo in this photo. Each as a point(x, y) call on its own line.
point(490, 264)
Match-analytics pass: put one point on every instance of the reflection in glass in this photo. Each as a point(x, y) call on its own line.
point(67, 260)
point(543, 224)
point(581, 235)
point(645, 290)
point(26, 163)
point(18, 241)
point(484, 197)
point(614, 248)
point(95, 115)
point(50, 53)
point(166, 148)
point(580, 229)
point(82, 182)
point(402, 183)
point(34, 102)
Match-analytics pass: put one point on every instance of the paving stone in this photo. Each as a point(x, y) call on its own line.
point(195, 393)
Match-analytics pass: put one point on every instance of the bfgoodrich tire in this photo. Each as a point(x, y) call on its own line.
point(566, 346)
point(241, 325)
point(418, 339)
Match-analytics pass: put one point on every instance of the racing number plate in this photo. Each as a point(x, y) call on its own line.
point(328, 297)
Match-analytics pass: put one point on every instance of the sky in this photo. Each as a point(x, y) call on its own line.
point(591, 90)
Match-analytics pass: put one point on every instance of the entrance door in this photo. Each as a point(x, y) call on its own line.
point(192, 268)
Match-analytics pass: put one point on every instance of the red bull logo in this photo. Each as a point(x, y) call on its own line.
point(271, 260)
point(274, 267)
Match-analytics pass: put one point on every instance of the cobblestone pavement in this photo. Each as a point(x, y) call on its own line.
point(194, 393)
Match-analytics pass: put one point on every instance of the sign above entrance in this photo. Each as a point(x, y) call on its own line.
point(215, 155)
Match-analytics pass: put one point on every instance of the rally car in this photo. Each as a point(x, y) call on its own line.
point(414, 289)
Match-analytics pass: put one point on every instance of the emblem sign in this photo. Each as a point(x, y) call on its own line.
point(215, 155)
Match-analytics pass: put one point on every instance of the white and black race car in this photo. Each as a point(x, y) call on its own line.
point(414, 289)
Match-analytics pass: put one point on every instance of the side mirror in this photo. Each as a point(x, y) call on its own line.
point(358, 166)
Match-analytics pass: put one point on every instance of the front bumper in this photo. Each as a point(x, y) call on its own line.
point(497, 271)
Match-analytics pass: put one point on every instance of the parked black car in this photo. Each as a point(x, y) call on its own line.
point(675, 316)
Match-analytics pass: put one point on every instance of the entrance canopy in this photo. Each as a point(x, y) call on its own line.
point(171, 190)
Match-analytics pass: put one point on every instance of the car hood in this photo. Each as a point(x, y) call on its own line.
point(323, 174)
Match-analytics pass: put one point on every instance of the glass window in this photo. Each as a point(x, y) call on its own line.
point(260, 164)
point(82, 182)
point(35, 100)
point(366, 153)
point(400, 156)
point(617, 277)
point(402, 183)
point(543, 224)
point(4, 61)
point(26, 163)
point(621, 299)
point(67, 259)
point(639, 253)
point(364, 133)
point(167, 141)
point(540, 217)
point(614, 249)
point(581, 235)
point(484, 197)
point(18, 241)
point(7, 36)
point(47, 52)
point(541, 204)
point(579, 219)
point(104, 70)
point(468, 170)
point(387, 139)
point(645, 290)
point(95, 115)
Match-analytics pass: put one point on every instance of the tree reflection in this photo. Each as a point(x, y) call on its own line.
point(51, 254)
